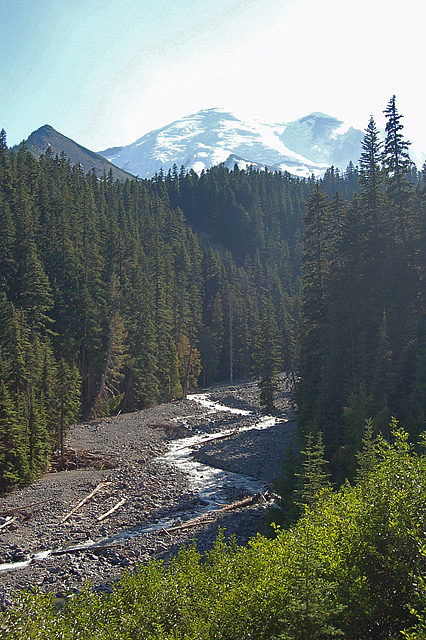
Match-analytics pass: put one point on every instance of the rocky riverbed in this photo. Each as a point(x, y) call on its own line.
point(124, 461)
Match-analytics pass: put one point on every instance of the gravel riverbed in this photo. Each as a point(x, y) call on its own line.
point(127, 453)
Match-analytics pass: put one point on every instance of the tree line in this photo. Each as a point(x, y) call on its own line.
point(120, 295)
point(363, 317)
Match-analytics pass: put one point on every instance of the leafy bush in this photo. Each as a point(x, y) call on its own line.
point(349, 567)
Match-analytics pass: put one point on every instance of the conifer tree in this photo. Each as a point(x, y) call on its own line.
point(381, 385)
point(396, 159)
point(370, 174)
point(68, 387)
point(313, 473)
point(313, 327)
point(109, 394)
point(7, 245)
point(367, 457)
point(189, 364)
point(267, 359)
point(14, 463)
point(284, 512)
point(3, 143)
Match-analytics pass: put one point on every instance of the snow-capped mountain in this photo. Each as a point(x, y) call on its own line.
point(212, 136)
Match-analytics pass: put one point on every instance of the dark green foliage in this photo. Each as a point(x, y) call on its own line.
point(353, 566)
point(111, 301)
point(66, 392)
point(14, 463)
point(367, 457)
point(361, 329)
point(267, 357)
point(314, 324)
point(396, 159)
point(284, 512)
point(313, 475)
point(371, 174)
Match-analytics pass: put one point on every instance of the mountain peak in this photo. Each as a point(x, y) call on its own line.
point(47, 137)
point(211, 136)
point(45, 128)
point(43, 133)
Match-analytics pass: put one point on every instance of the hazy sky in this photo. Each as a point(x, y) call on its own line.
point(104, 72)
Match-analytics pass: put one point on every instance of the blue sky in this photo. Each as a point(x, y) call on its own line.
point(104, 72)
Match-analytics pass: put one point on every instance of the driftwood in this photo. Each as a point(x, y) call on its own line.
point(212, 515)
point(27, 507)
point(8, 521)
point(75, 459)
point(93, 549)
point(100, 486)
point(212, 439)
point(114, 508)
point(204, 519)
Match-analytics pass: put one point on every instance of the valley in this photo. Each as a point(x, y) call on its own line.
point(170, 489)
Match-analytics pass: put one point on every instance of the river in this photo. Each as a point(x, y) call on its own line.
point(211, 485)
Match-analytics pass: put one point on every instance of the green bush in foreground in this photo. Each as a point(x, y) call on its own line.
point(352, 566)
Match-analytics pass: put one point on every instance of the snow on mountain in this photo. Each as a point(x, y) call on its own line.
point(322, 138)
point(213, 136)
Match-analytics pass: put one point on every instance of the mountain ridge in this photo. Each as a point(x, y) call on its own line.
point(46, 137)
point(208, 137)
point(304, 147)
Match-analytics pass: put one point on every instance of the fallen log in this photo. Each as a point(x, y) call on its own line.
point(212, 515)
point(28, 507)
point(74, 458)
point(8, 521)
point(100, 486)
point(93, 549)
point(114, 508)
point(212, 439)
point(239, 504)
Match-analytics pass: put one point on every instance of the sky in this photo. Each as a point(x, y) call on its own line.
point(105, 72)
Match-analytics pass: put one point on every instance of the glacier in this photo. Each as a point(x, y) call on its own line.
point(209, 137)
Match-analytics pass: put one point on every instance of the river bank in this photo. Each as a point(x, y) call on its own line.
point(130, 466)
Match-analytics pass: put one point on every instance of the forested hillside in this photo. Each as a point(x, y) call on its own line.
point(122, 295)
point(362, 330)
point(119, 295)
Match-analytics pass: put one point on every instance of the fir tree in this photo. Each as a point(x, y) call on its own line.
point(14, 463)
point(313, 329)
point(68, 401)
point(396, 159)
point(367, 457)
point(370, 174)
point(267, 357)
point(313, 475)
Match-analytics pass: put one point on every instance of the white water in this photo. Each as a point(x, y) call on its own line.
point(214, 407)
point(212, 485)
point(41, 555)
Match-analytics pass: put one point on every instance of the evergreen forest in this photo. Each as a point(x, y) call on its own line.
point(116, 296)
point(121, 295)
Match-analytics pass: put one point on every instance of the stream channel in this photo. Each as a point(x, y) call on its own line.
point(211, 485)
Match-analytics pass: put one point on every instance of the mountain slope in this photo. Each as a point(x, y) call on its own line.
point(47, 137)
point(212, 136)
point(324, 139)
